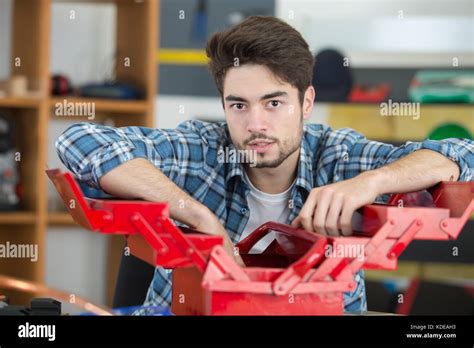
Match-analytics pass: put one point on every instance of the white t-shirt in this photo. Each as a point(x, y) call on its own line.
point(265, 207)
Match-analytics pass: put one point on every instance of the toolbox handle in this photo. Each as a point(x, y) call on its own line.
point(247, 243)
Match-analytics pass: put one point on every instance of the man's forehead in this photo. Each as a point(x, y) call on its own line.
point(248, 84)
point(252, 72)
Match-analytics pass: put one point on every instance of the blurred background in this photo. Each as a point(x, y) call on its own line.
point(142, 62)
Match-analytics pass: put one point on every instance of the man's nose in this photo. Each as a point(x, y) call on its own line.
point(257, 120)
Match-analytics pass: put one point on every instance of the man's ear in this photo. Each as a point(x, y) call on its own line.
point(308, 102)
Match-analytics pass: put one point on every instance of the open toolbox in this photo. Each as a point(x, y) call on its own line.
point(299, 273)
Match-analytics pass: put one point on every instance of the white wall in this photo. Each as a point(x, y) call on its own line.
point(5, 24)
point(387, 32)
point(83, 46)
point(76, 263)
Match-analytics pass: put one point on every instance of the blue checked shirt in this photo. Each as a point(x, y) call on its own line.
point(188, 155)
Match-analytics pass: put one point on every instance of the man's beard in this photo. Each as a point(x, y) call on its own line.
point(283, 153)
point(285, 150)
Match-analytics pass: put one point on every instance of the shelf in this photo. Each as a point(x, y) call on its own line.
point(367, 119)
point(107, 105)
point(17, 218)
point(14, 102)
point(136, 37)
point(60, 218)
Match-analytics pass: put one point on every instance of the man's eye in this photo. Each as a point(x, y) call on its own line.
point(238, 106)
point(274, 103)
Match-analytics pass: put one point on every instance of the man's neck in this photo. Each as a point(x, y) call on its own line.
point(275, 180)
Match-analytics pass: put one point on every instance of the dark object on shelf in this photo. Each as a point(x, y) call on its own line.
point(9, 177)
point(332, 77)
point(38, 306)
point(112, 90)
point(60, 85)
point(6, 133)
point(45, 306)
point(442, 87)
point(369, 93)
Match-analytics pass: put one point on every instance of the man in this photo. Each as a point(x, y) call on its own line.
point(308, 176)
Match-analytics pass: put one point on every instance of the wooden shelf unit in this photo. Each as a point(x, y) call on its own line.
point(60, 218)
point(136, 38)
point(17, 218)
point(25, 103)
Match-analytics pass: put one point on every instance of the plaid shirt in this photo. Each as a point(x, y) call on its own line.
point(188, 155)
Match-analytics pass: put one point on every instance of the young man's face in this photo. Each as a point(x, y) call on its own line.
point(264, 114)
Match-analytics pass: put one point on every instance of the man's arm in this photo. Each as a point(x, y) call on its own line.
point(382, 169)
point(139, 179)
point(417, 171)
point(137, 163)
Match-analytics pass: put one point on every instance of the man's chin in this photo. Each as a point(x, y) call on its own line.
point(267, 163)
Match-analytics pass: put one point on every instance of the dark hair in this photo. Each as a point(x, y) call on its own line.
point(262, 40)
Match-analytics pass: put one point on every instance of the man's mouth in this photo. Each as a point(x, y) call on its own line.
point(261, 146)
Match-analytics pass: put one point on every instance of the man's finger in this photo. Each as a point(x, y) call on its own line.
point(333, 215)
point(296, 222)
point(346, 218)
point(305, 217)
point(320, 212)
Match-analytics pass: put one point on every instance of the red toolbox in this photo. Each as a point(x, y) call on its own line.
point(300, 273)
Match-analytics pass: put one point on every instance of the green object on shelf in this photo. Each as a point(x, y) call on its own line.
point(449, 130)
point(442, 87)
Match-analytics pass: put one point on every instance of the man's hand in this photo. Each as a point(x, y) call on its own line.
point(210, 224)
point(329, 209)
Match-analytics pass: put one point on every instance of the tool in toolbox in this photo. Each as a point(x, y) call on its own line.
point(300, 273)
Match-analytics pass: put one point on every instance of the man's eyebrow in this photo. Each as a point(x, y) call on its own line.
point(274, 94)
point(232, 97)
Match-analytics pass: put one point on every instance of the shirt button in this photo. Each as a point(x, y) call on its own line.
point(243, 211)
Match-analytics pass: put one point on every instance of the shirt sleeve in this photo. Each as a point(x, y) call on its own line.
point(91, 150)
point(358, 154)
